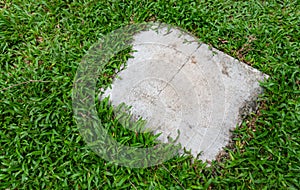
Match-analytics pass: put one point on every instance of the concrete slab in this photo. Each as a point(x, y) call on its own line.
point(177, 83)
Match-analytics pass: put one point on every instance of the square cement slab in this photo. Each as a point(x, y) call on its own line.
point(176, 83)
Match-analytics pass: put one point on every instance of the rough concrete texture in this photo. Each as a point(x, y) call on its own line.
point(177, 83)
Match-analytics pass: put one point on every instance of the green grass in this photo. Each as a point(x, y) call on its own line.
point(42, 44)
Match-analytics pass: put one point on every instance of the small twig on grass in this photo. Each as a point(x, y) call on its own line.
point(132, 184)
point(176, 179)
point(12, 86)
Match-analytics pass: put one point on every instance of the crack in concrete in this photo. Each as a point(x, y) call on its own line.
point(189, 57)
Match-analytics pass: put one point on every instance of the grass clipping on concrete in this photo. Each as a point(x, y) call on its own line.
point(42, 44)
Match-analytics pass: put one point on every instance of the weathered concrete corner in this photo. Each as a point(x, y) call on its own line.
point(177, 83)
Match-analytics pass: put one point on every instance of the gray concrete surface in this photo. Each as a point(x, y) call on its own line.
point(177, 83)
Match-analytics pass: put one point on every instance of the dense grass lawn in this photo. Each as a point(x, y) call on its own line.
point(42, 44)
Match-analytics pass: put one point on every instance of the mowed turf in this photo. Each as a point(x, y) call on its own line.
point(42, 44)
